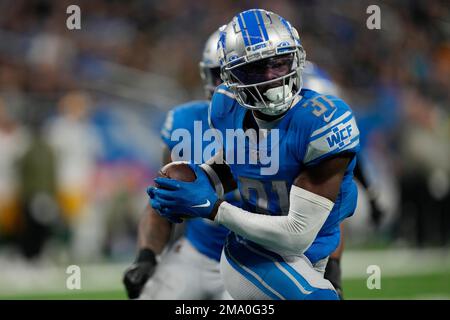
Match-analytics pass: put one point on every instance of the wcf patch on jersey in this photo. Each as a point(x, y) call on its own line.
point(340, 135)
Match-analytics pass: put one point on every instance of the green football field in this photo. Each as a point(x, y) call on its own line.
point(426, 286)
point(403, 273)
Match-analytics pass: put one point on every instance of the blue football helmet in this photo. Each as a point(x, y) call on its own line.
point(261, 61)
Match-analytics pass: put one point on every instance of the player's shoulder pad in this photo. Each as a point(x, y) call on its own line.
point(183, 117)
point(332, 127)
point(222, 102)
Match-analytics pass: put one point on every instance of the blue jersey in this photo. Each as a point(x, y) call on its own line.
point(206, 236)
point(315, 128)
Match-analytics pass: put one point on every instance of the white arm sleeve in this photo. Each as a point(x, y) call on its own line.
point(291, 234)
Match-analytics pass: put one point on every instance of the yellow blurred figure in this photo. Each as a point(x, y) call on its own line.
point(76, 146)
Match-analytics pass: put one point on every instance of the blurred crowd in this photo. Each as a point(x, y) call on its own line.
point(80, 110)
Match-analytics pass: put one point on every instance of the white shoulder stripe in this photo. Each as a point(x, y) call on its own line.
point(225, 92)
point(331, 124)
point(344, 138)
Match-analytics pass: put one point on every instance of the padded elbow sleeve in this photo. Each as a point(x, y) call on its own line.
point(291, 234)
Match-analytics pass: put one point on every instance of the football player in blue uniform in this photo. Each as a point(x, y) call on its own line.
point(292, 204)
point(189, 269)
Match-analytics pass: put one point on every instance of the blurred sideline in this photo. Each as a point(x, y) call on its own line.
point(45, 277)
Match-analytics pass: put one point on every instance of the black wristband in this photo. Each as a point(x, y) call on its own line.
point(146, 255)
point(335, 260)
point(333, 272)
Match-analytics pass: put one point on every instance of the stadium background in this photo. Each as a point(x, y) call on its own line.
point(80, 112)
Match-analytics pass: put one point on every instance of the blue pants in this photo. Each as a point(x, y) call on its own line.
point(252, 272)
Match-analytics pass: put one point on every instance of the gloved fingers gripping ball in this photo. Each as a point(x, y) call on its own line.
point(178, 170)
point(185, 191)
point(181, 171)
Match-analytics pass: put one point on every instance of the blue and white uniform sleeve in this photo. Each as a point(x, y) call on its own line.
point(222, 102)
point(332, 133)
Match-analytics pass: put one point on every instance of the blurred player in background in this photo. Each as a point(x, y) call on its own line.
point(13, 144)
point(189, 269)
point(281, 253)
point(76, 164)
